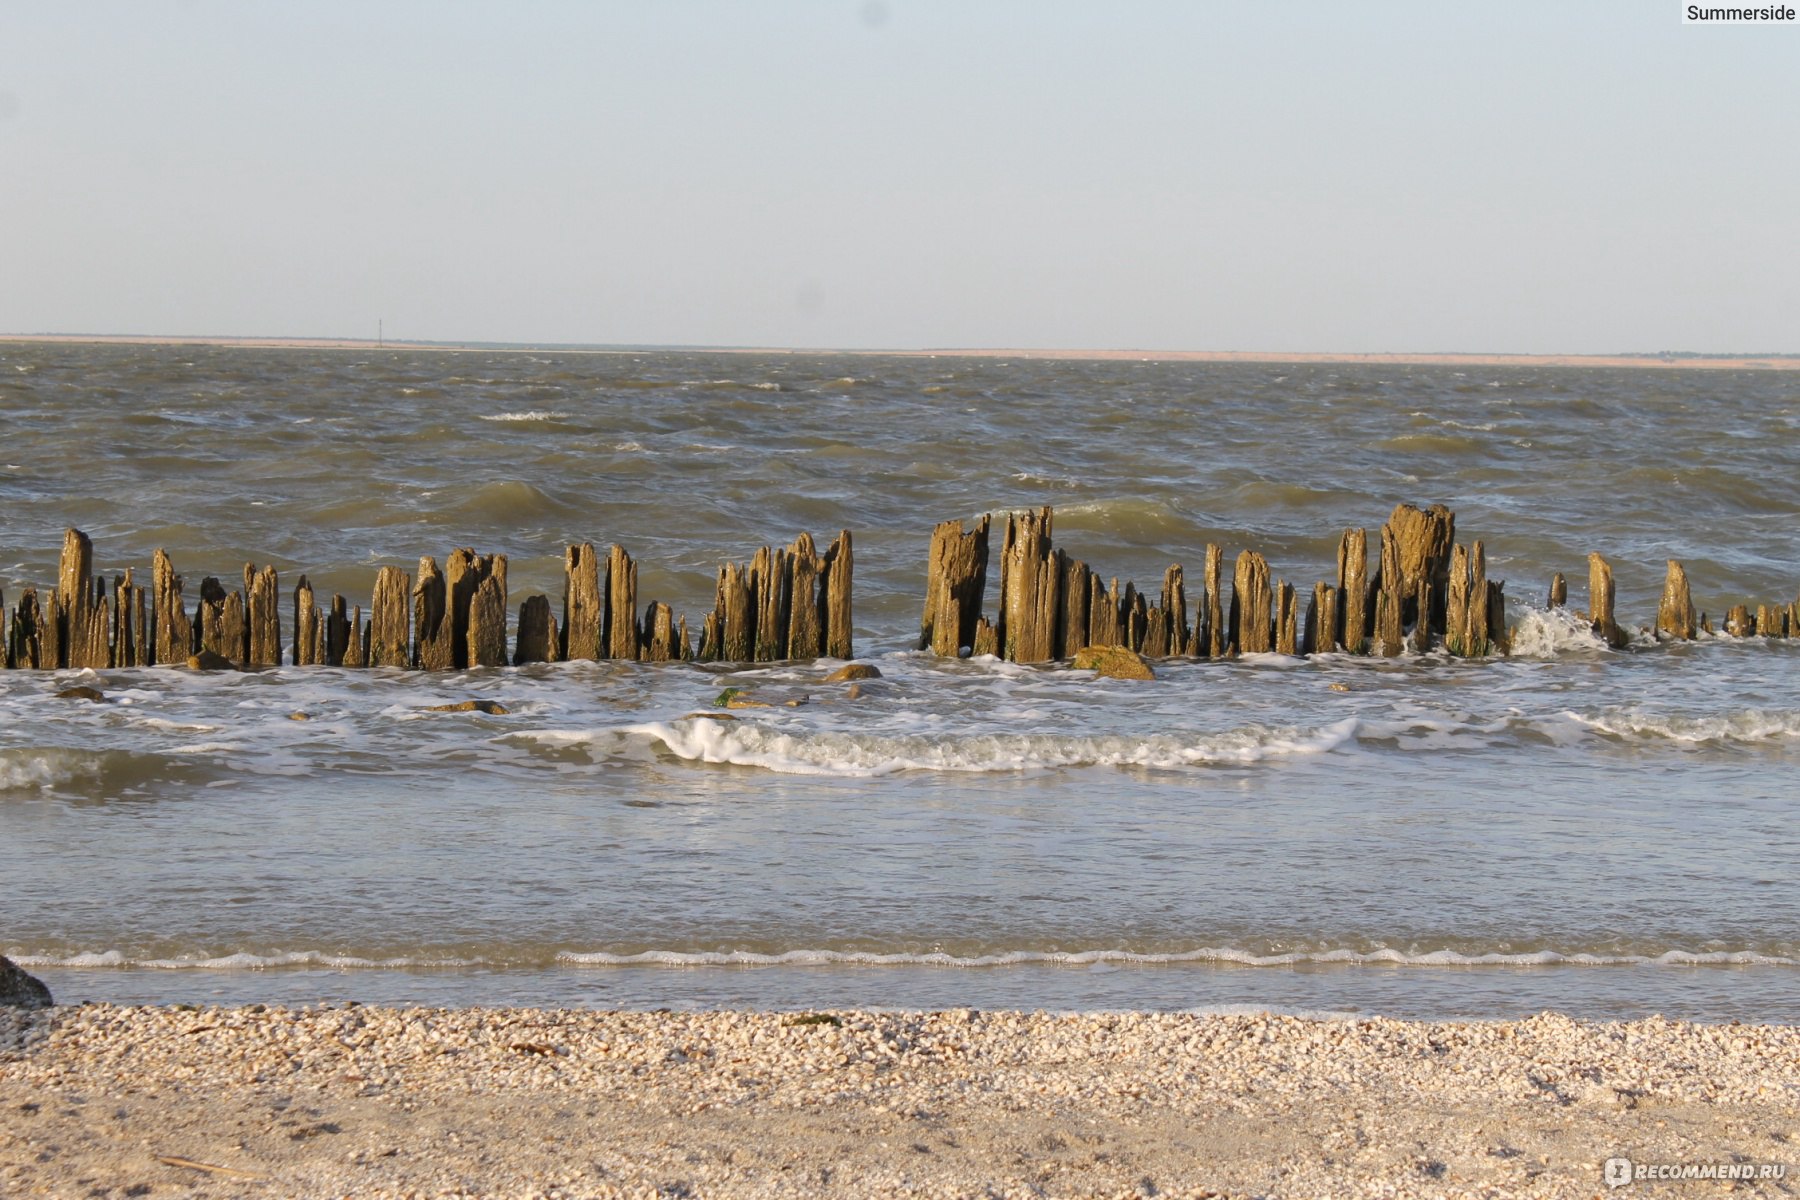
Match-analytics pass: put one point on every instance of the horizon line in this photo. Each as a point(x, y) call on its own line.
point(1522, 357)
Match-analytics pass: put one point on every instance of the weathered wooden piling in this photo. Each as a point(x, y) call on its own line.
point(1029, 590)
point(1251, 632)
point(955, 580)
point(1287, 619)
point(1320, 635)
point(307, 631)
point(584, 606)
point(1675, 614)
point(622, 636)
point(1353, 591)
point(389, 624)
point(1215, 628)
point(1737, 621)
point(1559, 591)
point(839, 589)
point(1600, 603)
point(1771, 621)
point(432, 629)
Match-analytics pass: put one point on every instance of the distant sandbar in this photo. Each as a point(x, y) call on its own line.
point(1777, 362)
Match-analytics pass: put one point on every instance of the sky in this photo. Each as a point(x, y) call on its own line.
point(1359, 177)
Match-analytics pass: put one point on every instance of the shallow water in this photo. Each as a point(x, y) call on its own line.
point(1606, 832)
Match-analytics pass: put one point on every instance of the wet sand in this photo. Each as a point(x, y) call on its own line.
point(101, 1100)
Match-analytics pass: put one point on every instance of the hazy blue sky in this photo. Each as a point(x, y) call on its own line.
point(1259, 176)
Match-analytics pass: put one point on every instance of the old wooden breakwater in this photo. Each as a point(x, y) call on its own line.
point(1422, 590)
point(791, 603)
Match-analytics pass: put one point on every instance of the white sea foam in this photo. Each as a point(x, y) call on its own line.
point(43, 769)
point(1553, 633)
point(1748, 726)
point(1207, 955)
point(863, 754)
point(535, 414)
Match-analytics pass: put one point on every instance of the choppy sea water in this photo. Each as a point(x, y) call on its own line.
point(1605, 832)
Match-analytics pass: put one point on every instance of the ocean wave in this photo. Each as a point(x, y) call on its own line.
point(45, 768)
point(1749, 726)
point(1227, 956)
point(864, 754)
point(1553, 633)
point(535, 414)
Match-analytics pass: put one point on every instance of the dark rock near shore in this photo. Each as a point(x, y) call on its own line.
point(82, 693)
point(1113, 662)
point(491, 707)
point(853, 671)
point(210, 660)
point(19, 989)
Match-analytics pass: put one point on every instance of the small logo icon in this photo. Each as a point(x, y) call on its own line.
point(1617, 1172)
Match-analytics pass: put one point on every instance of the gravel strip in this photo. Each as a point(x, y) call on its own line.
point(100, 1100)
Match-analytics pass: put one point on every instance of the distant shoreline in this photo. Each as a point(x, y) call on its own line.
point(1775, 362)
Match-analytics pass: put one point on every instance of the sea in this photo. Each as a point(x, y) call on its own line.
point(1604, 832)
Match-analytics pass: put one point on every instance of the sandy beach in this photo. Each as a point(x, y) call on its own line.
point(108, 1101)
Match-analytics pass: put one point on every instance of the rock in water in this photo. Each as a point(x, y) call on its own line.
point(210, 660)
point(21, 990)
point(1113, 662)
point(853, 671)
point(492, 708)
point(82, 693)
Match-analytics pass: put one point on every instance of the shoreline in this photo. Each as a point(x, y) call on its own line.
point(1766, 362)
point(520, 1101)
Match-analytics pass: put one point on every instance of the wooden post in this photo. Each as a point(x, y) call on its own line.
point(336, 642)
point(1077, 594)
point(1215, 627)
point(987, 639)
point(24, 639)
point(838, 622)
point(307, 652)
point(1559, 590)
point(356, 654)
point(1353, 590)
point(487, 619)
point(174, 635)
point(736, 616)
point(1499, 639)
point(1287, 629)
point(1422, 541)
point(1737, 621)
point(1027, 615)
point(537, 641)
point(660, 640)
point(1420, 637)
point(804, 634)
point(1770, 621)
point(390, 628)
point(264, 590)
point(1174, 605)
point(622, 638)
point(1600, 603)
point(955, 579)
point(1675, 615)
point(769, 588)
point(1250, 629)
point(1321, 620)
point(431, 619)
point(1105, 628)
point(1390, 602)
point(584, 607)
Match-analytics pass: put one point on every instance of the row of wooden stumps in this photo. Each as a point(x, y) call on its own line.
point(1676, 619)
point(791, 603)
point(1425, 590)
